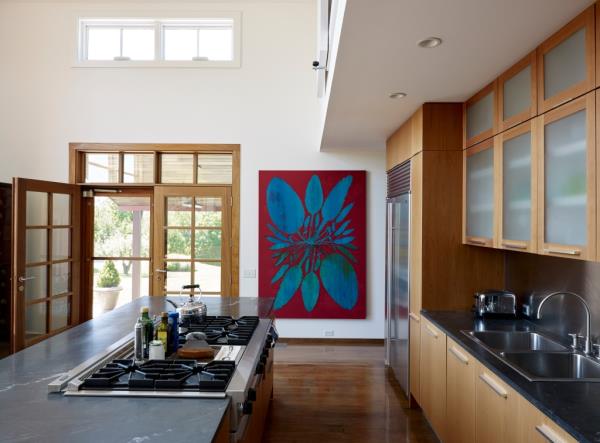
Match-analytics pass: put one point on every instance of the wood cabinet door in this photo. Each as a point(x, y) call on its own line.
point(536, 427)
point(497, 412)
point(566, 62)
point(479, 116)
point(415, 356)
point(567, 180)
point(517, 93)
point(460, 394)
point(479, 221)
point(516, 196)
point(433, 376)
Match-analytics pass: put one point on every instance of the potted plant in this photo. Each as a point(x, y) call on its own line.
point(107, 287)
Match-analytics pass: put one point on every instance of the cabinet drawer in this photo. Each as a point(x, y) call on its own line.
point(536, 427)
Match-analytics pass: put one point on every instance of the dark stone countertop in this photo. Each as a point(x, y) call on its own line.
point(30, 414)
point(573, 405)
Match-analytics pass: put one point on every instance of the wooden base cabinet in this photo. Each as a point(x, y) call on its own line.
point(497, 410)
point(433, 376)
point(415, 356)
point(536, 427)
point(461, 370)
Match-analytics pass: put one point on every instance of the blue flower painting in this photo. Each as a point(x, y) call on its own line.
point(312, 229)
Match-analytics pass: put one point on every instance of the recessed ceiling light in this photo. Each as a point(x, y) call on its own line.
point(398, 95)
point(430, 42)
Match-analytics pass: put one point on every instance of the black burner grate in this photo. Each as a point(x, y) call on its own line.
point(159, 375)
point(222, 330)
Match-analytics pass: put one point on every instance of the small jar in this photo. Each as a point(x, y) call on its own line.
point(157, 350)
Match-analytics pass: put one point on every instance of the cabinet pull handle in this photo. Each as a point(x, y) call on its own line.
point(514, 245)
point(492, 384)
point(415, 317)
point(459, 355)
point(431, 331)
point(475, 242)
point(548, 433)
point(562, 251)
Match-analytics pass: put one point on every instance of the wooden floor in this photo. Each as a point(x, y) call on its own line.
point(339, 394)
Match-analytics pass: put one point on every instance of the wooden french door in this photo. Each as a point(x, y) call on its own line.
point(192, 239)
point(46, 260)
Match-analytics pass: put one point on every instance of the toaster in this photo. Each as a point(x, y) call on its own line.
point(495, 302)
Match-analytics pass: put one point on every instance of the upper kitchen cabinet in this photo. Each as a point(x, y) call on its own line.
point(517, 93)
point(479, 116)
point(478, 194)
point(433, 127)
point(516, 196)
point(567, 180)
point(566, 62)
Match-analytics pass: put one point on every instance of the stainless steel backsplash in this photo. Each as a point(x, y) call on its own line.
point(525, 273)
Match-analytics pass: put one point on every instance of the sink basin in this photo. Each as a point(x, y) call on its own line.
point(515, 341)
point(554, 366)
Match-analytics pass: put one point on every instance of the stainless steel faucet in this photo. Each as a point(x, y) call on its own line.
point(588, 340)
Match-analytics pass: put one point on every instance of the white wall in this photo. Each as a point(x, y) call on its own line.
point(269, 106)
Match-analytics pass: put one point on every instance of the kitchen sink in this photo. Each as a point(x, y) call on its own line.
point(549, 366)
point(515, 341)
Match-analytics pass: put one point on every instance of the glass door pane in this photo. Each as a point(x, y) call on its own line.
point(480, 116)
point(516, 188)
point(194, 239)
point(565, 64)
point(480, 193)
point(565, 180)
point(121, 260)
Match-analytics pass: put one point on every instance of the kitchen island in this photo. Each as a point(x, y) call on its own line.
point(29, 413)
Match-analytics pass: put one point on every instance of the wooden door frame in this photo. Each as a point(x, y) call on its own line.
point(162, 191)
point(77, 153)
point(20, 188)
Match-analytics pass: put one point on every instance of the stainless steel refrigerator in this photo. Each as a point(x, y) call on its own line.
point(398, 287)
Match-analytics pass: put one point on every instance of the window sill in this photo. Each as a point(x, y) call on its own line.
point(157, 64)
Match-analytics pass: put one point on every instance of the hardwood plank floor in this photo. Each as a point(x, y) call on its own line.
point(339, 394)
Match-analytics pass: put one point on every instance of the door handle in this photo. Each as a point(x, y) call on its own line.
point(414, 316)
point(162, 271)
point(459, 355)
point(492, 384)
point(22, 279)
point(514, 245)
point(431, 331)
point(562, 251)
point(548, 434)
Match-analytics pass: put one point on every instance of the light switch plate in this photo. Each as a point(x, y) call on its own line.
point(249, 273)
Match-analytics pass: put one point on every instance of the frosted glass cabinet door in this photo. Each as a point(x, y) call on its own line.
point(479, 188)
point(517, 93)
point(479, 115)
point(566, 62)
point(568, 180)
point(518, 188)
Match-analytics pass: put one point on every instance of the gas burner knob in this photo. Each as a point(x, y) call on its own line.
point(246, 408)
point(260, 368)
point(252, 394)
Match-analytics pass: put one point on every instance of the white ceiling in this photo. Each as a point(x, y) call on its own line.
point(378, 55)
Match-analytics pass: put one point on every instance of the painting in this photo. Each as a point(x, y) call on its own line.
point(312, 243)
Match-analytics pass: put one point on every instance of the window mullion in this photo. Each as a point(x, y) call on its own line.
point(121, 42)
point(159, 42)
point(197, 42)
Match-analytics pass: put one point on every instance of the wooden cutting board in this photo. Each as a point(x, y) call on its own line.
point(196, 350)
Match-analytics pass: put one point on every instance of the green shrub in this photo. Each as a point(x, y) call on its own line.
point(109, 277)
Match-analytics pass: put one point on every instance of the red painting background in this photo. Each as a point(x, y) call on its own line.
point(326, 307)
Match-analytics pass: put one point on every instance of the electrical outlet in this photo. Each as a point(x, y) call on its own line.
point(329, 333)
point(249, 273)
